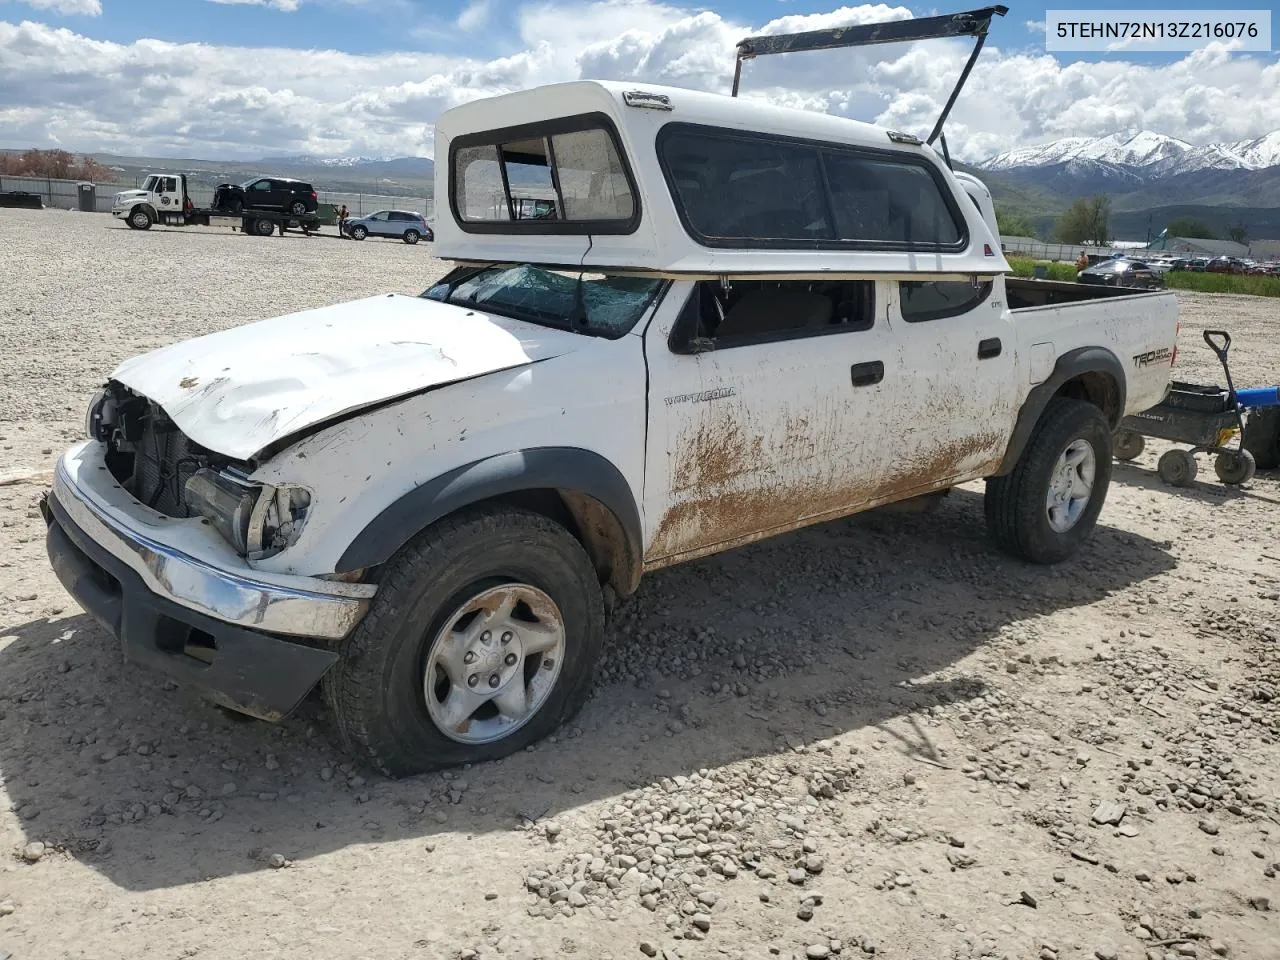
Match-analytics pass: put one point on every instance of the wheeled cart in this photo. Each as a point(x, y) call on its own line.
point(1206, 417)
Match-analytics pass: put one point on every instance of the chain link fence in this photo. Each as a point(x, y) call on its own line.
point(65, 195)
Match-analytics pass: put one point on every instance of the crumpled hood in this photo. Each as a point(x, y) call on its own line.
point(241, 390)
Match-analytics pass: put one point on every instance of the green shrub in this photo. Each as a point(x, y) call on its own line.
point(1224, 283)
point(1025, 267)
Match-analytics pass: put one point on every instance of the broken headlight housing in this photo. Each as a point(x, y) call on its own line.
point(257, 520)
point(94, 416)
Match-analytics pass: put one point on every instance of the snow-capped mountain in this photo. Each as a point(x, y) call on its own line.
point(1144, 154)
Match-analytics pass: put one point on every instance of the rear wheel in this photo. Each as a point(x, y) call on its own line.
point(1262, 437)
point(1048, 505)
point(264, 227)
point(1178, 468)
point(1127, 445)
point(140, 219)
point(412, 236)
point(483, 638)
point(298, 209)
point(359, 233)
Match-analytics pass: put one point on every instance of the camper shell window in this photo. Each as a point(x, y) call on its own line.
point(740, 189)
point(564, 176)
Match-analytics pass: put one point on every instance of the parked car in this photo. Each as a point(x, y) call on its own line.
point(401, 224)
point(1122, 273)
point(1224, 265)
point(267, 193)
point(1198, 264)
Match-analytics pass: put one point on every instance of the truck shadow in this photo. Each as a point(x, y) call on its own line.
point(747, 655)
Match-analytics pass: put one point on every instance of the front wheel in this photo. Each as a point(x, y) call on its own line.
point(359, 233)
point(1235, 467)
point(139, 219)
point(482, 639)
point(1048, 505)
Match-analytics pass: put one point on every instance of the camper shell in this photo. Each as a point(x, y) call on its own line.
point(642, 181)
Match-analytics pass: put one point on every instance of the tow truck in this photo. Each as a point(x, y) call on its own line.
point(163, 198)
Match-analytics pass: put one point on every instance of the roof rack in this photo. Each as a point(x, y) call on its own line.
point(973, 23)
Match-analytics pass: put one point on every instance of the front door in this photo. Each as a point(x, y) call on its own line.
point(168, 196)
point(768, 409)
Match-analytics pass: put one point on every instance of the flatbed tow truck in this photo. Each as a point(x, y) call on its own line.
point(163, 198)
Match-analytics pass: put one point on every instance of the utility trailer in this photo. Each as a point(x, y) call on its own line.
point(164, 199)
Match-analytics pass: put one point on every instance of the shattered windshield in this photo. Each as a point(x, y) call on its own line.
point(602, 305)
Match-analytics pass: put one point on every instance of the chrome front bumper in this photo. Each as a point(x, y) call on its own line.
point(305, 607)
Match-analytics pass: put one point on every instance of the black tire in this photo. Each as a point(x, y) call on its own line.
point(359, 233)
point(236, 205)
point(263, 227)
point(1262, 437)
point(412, 236)
point(297, 209)
point(1127, 444)
point(1015, 504)
point(140, 218)
point(1235, 467)
point(376, 689)
point(1178, 468)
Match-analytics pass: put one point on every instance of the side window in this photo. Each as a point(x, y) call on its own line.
point(380, 215)
point(566, 176)
point(736, 189)
point(263, 186)
point(939, 299)
point(761, 311)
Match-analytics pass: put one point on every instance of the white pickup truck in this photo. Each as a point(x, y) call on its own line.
point(741, 320)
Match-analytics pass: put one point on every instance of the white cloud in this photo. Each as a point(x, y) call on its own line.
point(1036, 26)
point(87, 8)
point(473, 16)
point(289, 6)
point(191, 99)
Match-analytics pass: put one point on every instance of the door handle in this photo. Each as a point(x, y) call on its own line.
point(865, 374)
point(989, 348)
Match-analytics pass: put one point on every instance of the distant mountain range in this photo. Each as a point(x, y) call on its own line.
point(1151, 178)
point(372, 166)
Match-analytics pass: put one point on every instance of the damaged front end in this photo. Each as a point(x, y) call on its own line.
point(163, 469)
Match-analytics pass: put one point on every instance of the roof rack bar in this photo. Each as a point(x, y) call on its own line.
point(972, 23)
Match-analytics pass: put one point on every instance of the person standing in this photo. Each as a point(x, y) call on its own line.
point(342, 221)
point(1082, 262)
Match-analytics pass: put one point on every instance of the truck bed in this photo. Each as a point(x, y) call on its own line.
point(1138, 327)
point(1023, 292)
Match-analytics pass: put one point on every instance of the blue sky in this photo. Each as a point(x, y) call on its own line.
point(370, 26)
point(247, 78)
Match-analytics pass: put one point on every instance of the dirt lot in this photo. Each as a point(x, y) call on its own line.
point(876, 737)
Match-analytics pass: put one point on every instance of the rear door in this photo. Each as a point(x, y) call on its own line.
point(956, 349)
point(260, 194)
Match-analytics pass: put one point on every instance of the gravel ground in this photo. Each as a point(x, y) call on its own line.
point(877, 737)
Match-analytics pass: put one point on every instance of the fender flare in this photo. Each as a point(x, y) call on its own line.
point(568, 469)
point(1072, 364)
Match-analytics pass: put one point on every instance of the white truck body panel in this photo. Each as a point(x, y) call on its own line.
point(240, 390)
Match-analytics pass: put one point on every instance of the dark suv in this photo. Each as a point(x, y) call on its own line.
point(267, 193)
